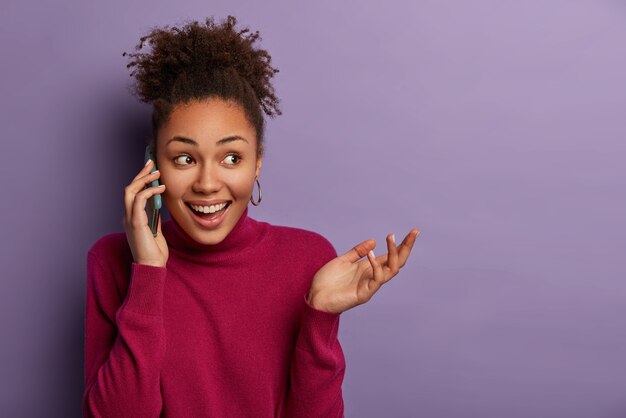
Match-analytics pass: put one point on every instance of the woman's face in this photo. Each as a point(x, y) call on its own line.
point(206, 153)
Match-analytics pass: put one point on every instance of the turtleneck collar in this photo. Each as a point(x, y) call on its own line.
point(245, 235)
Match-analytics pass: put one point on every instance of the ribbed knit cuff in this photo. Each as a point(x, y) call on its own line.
point(145, 291)
point(318, 326)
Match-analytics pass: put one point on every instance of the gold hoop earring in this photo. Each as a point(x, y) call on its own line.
point(258, 201)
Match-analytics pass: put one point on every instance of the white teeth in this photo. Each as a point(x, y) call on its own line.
point(209, 209)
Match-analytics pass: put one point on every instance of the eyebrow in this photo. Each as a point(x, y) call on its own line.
point(192, 142)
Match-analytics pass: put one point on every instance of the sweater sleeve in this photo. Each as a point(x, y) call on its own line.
point(124, 342)
point(318, 364)
point(317, 368)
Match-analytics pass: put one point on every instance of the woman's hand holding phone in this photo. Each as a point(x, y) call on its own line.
point(146, 248)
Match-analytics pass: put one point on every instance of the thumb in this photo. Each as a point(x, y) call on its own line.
point(359, 251)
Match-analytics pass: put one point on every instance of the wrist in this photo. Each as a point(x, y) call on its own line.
point(313, 303)
point(311, 300)
point(150, 263)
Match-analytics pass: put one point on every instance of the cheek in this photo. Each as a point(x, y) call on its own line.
point(174, 183)
point(239, 184)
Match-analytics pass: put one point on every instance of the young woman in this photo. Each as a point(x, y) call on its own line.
point(219, 315)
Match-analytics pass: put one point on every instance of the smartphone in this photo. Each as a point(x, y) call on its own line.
point(153, 207)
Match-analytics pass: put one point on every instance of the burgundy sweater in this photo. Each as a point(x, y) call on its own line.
point(222, 331)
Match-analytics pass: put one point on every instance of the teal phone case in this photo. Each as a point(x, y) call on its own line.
point(154, 203)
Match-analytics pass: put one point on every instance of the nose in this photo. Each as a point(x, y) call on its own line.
point(208, 180)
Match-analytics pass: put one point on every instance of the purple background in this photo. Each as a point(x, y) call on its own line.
point(496, 127)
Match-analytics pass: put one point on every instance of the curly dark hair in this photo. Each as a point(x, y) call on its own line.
point(198, 62)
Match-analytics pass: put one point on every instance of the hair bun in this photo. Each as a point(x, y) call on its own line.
point(198, 54)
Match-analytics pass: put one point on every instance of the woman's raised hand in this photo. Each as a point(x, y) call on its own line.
point(343, 283)
point(146, 248)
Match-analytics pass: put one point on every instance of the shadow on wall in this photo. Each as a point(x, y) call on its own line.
point(117, 143)
point(67, 352)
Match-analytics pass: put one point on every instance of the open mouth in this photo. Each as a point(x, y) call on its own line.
point(200, 211)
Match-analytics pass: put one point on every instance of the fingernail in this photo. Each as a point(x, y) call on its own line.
point(393, 238)
point(371, 253)
point(147, 162)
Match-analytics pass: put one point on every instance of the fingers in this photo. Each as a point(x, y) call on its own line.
point(359, 251)
point(402, 251)
point(139, 205)
point(385, 267)
point(135, 195)
point(407, 245)
point(378, 276)
point(383, 271)
point(392, 258)
point(145, 170)
point(396, 257)
point(138, 183)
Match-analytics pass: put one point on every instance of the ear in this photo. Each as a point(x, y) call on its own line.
point(259, 162)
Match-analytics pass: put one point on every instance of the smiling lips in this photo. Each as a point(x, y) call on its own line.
point(210, 216)
point(209, 208)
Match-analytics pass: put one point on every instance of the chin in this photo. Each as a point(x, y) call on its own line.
point(208, 238)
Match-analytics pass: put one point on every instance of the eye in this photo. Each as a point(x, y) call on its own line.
point(237, 157)
point(186, 158)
